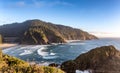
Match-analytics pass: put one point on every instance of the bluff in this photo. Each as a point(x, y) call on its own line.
point(41, 32)
point(105, 59)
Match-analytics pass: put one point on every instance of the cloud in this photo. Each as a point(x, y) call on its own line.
point(2, 21)
point(38, 3)
point(42, 3)
point(20, 4)
point(60, 3)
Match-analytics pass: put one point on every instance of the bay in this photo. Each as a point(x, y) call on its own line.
point(46, 54)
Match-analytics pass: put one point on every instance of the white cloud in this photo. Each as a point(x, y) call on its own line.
point(2, 22)
point(20, 4)
point(42, 3)
point(59, 3)
point(38, 3)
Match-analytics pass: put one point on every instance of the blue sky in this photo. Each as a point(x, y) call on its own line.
point(90, 15)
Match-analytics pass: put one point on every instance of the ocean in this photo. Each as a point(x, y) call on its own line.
point(58, 53)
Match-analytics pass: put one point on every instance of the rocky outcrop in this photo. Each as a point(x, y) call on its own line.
point(38, 36)
point(54, 65)
point(40, 32)
point(104, 59)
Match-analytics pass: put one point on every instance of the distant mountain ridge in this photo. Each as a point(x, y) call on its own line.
point(40, 32)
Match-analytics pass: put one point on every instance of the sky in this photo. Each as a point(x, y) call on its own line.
point(99, 17)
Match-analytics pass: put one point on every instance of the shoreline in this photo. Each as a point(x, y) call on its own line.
point(7, 45)
point(70, 41)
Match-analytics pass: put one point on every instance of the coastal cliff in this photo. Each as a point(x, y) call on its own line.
point(41, 32)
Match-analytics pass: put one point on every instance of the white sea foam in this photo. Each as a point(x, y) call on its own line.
point(52, 53)
point(86, 71)
point(49, 57)
point(44, 63)
point(26, 52)
point(22, 48)
point(69, 41)
point(76, 43)
point(46, 55)
point(7, 50)
point(41, 52)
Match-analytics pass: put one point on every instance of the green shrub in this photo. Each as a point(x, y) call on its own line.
point(9, 64)
point(1, 39)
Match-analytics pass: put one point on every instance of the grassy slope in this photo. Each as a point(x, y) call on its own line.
point(9, 64)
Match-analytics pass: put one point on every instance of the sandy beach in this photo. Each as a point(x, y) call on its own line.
point(6, 45)
point(70, 41)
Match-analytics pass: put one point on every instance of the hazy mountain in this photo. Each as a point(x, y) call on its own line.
point(40, 32)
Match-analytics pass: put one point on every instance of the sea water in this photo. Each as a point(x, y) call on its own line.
point(46, 54)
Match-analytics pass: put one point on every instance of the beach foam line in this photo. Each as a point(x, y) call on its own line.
point(76, 43)
point(69, 41)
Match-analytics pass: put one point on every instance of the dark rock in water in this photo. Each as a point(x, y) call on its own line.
point(54, 65)
point(104, 59)
point(69, 66)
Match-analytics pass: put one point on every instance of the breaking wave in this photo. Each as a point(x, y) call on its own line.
point(26, 52)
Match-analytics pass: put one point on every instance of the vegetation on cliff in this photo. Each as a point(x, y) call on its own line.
point(104, 59)
point(40, 32)
point(9, 64)
point(1, 39)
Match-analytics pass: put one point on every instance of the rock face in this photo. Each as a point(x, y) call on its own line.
point(54, 65)
point(104, 59)
point(40, 32)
